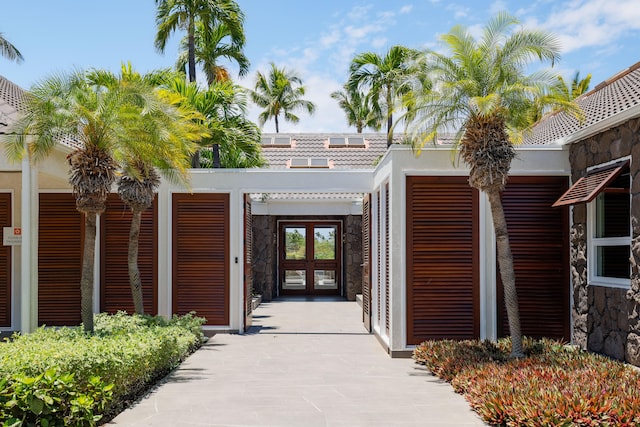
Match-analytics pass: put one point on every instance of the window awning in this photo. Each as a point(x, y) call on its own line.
point(588, 187)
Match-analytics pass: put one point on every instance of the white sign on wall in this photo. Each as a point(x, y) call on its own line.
point(11, 236)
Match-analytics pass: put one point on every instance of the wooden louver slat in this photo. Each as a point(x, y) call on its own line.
point(442, 259)
point(201, 256)
point(588, 187)
point(115, 290)
point(60, 233)
point(5, 263)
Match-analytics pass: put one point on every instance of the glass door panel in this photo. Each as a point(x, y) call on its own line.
point(324, 242)
point(295, 279)
point(295, 240)
point(325, 279)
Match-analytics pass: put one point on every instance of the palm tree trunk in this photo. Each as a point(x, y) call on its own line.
point(389, 117)
point(192, 52)
point(389, 133)
point(507, 274)
point(215, 153)
point(132, 260)
point(86, 281)
point(276, 118)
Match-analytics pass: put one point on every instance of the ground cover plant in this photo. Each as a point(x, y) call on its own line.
point(56, 377)
point(554, 385)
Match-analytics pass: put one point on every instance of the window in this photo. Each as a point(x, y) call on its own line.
point(309, 163)
point(351, 141)
point(276, 141)
point(609, 233)
point(606, 190)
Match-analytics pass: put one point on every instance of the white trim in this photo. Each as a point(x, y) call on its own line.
point(593, 243)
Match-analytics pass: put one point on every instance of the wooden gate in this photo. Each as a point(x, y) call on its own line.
point(115, 291)
point(539, 237)
point(5, 263)
point(366, 262)
point(200, 235)
point(61, 232)
point(248, 260)
point(442, 259)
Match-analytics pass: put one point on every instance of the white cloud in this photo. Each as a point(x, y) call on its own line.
point(590, 23)
point(406, 9)
point(497, 6)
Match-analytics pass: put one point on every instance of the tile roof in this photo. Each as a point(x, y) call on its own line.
point(12, 101)
point(316, 146)
point(613, 96)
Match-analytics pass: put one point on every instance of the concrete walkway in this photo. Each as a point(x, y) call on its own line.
point(303, 364)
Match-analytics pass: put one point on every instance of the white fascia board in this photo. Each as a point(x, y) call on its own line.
point(282, 181)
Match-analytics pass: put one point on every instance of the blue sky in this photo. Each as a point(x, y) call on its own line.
point(316, 39)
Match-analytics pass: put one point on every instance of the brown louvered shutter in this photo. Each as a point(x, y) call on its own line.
point(387, 239)
point(379, 269)
point(588, 187)
point(539, 238)
point(366, 262)
point(5, 263)
point(442, 259)
point(60, 232)
point(115, 290)
point(201, 256)
point(248, 260)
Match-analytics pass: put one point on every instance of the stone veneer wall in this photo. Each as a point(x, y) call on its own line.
point(606, 319)
point(265, 254)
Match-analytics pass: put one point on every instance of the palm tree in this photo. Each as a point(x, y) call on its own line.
point(357, 109)
point(385, 78)
point(560, 96)
point(234, 141)
point(482, 91)
point(163, 141)
point(185, 15)
point(277, 94)
point(9, 51)
point(109, 125)
point(210, 46)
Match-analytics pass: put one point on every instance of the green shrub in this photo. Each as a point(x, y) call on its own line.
point(555, 385)
point(90, 375)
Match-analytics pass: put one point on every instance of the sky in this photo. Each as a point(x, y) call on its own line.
point(315, 39)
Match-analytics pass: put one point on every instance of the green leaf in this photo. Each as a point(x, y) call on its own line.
point(36, 406)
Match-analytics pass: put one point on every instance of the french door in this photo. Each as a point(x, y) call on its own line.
point(309, 258)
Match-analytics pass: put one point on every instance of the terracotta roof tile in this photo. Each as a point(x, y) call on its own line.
point(307, 145)
point(607, 99)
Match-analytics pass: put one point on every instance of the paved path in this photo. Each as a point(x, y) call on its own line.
point(303, 364)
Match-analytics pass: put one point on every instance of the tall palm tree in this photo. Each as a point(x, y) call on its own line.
point(278, 94)
point(233, 140)
point(163, 141)
point(357, 108)
point(107, 124)
point(184, 15)
point(9, 51)
point(386, 78)
point(212, 44)
point(482, 91)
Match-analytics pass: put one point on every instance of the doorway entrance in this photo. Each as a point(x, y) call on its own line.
point(310, 258)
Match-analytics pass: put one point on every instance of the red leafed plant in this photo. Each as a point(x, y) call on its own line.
point(555, 385)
